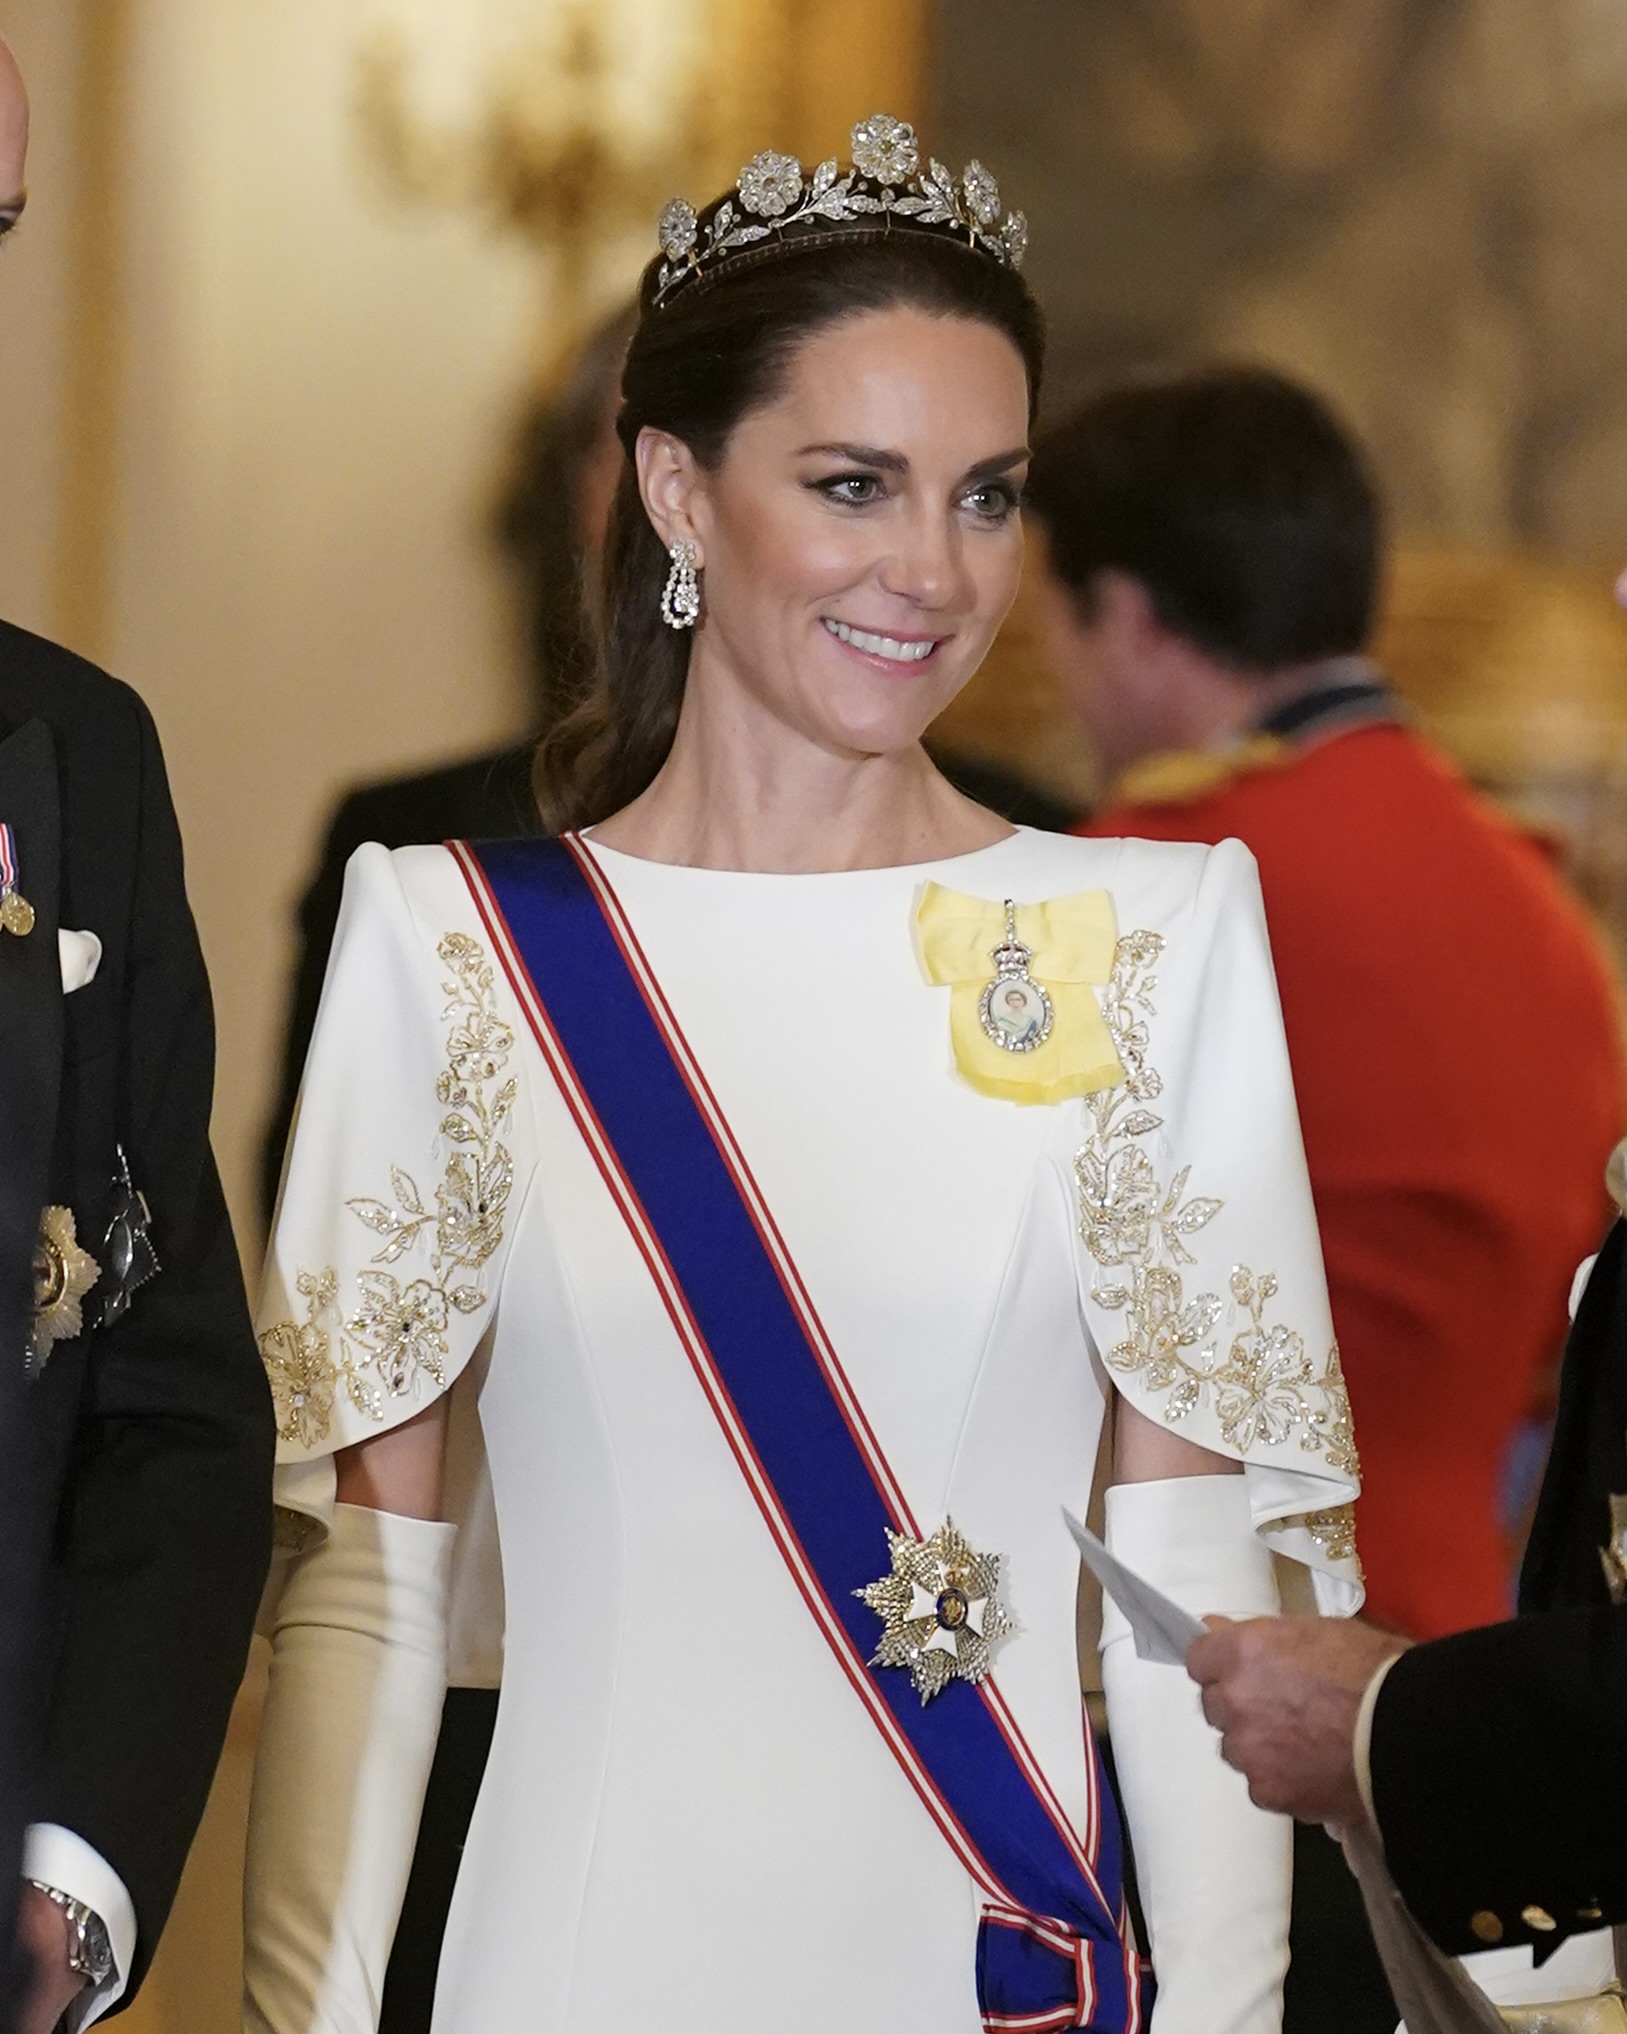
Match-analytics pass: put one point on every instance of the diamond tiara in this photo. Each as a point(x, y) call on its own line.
point(775, 200)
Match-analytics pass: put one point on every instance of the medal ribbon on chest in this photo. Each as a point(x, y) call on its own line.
point(1025, 1025)
point(16, 913)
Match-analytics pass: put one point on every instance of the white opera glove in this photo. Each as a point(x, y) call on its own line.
point(1214, 1871)
point(358, 1676)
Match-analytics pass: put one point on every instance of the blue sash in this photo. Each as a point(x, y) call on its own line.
point(1052, 1950)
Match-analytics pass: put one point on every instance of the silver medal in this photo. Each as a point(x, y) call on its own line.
point(1014, 1010)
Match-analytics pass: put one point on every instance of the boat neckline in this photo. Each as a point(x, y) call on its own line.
point(601, 848)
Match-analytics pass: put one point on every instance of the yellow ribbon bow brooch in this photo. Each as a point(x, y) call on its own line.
point(1023, 1016)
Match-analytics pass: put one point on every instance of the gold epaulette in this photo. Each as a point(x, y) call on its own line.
point(1181, 776)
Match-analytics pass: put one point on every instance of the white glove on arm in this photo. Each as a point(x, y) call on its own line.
point(1214, 1871)
point(358, 1676)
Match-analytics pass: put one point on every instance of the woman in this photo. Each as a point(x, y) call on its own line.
point(793, 1290)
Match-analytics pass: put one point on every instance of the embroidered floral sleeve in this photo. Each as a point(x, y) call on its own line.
point(1189, 1291)
point(379, 1340)
point(1261, 1381)
point(382, 1272)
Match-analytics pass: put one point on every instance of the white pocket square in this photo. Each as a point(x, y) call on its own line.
point(81, 956)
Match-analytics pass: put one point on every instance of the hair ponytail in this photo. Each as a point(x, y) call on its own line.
point(610, 746)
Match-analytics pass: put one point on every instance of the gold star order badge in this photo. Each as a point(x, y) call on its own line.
point(63, 1274)
point(940, 1610)
point(1614, 1551)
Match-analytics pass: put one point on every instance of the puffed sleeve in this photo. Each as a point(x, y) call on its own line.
point(387, 1252)
point(1202, 1266)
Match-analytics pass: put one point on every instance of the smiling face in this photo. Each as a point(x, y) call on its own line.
point(13, 140)
point(859, 539)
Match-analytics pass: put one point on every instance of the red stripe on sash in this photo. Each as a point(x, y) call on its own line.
point(625, 1197)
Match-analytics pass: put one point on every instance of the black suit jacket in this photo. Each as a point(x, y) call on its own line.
point(1500, 1756)
point(140, 1510)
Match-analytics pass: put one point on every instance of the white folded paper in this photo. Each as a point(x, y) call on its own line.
point(1162, 1630)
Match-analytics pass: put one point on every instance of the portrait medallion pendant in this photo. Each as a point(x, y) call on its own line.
point(1014, 1010)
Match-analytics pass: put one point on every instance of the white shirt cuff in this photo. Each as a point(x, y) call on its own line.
point(56, 1857)
point(1363, 1746)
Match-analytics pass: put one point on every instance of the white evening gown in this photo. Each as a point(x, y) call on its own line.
point(689, 1822)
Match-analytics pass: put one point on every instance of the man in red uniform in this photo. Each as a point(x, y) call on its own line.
point(1211, 550)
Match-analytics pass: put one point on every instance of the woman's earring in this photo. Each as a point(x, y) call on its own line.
point(681, 596)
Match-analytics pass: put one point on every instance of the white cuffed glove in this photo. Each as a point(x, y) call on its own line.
point(358, 1676)
point(1215, 1872)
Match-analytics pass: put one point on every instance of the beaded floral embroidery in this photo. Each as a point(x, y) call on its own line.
point(1264, 1389)
point(395, 1331)
point(1334, 1531)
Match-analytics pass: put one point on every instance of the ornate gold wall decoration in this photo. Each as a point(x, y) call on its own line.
point(551, 154)
point(547, 154)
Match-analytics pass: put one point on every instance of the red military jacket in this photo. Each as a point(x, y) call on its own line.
point(1456, 1049)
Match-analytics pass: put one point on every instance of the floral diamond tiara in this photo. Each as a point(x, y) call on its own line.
point(775, 200)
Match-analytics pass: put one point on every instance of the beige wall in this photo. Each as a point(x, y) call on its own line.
point(311, 383)
point(34, 284)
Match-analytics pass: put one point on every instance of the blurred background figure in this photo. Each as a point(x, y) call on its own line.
point(1211, 551)
point(551, 525)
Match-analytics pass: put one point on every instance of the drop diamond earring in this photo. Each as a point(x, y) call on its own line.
point(681, 596)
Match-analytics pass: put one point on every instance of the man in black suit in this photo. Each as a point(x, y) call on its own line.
point(136, 1433)
point(1493, 1763)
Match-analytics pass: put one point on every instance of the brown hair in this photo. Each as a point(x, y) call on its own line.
point(695, 368)
point(1234, 497)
